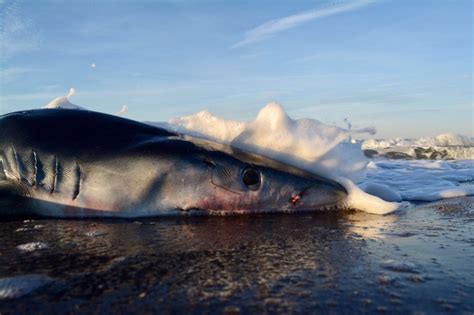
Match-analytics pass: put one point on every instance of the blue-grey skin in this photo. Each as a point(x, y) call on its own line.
point(74, 163)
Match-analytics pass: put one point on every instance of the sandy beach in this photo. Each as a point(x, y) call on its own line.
point(413, 260)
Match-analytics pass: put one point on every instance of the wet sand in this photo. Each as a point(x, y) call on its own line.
point(417, 260)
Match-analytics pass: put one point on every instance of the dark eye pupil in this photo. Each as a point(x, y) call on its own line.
point(251, 177)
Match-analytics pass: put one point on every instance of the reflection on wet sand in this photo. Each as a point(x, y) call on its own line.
point(370, 226)
point(283, 263)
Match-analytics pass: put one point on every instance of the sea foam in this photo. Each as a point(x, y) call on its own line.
point(447, 146)
point(309, 144)
point(64, 102)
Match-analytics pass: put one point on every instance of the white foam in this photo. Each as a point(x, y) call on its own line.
point(423, 180)
point(201, 125)
point(306, 143)
point(442, 140)
point(122, 110)
point(63, 101)
point(438, 165)
point(382, 191)
point(450, 139)
point(329, 151)
point(454, 146)
point(429, 195)
point(358, 199)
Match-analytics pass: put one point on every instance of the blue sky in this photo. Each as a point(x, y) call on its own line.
point(404, 67)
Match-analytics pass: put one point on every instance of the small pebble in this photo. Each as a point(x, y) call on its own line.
point(30, 247)
point(231, 310)
point(400, 265)
point(95, 233)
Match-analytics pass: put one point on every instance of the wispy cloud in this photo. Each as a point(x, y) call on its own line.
point(12, 74)
point(34, 97)
point(254, 55)
point(323, 56)
point(17, 33)
point(272, 27)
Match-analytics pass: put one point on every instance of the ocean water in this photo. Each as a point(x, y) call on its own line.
point(444, 146)
point(420, 180)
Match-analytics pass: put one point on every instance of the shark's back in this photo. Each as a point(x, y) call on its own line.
point(72, 130)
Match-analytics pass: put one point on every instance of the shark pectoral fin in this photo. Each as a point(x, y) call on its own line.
point(11, 197)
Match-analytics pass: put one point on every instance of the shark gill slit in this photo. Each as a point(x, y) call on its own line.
point(35, 169)
point(77, 181)
point(55, 174)
point(3, 175)
point(39, 169)
point(17, 165)
point(6, 164)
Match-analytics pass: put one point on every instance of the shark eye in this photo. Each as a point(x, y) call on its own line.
point(251, 178)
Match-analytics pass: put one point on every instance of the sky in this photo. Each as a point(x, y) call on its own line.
point(403, 67)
